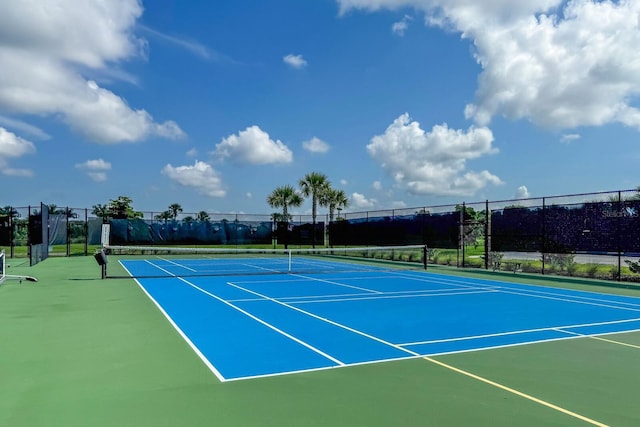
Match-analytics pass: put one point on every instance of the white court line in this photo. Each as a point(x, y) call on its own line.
point(301, 297)
point(429, 355)
point(166, 271)
point(331, 322)
point(399, 293)
point(368, 362)
point(577, 299)
point(429, 278)
point(466, 373)
point(184, 336)
point(331, 282)
point(267, 324)
point(257, 319)
point(385, 296)
point(518, 344)
point(568, 299)
point(362, 296)
point(469, 282)
point(178, 264)
point(476, 377)
point(523, 331)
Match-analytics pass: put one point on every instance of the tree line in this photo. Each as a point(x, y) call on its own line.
point(313, 185)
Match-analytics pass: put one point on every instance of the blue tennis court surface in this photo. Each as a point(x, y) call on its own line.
point(260, 325)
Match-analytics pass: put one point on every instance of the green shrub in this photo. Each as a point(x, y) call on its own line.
point(592, 270)
point(572, 267)
point(613, 271)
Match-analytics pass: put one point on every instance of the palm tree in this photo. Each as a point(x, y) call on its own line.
point(203, 216)
point(284, 197)
point(314, 184)
point(10, 211)
point(334, 199)
point(175, 209)
point(70, 213)
point(164, 216)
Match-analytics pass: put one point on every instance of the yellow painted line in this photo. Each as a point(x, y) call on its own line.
point(594, 337)
point(518, 393)
point(616, 342)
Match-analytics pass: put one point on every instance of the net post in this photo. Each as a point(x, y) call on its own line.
point(101, 259)
point(425, 254)
point(2, 266)
point(289, 267)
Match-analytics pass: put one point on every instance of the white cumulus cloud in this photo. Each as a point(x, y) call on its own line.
point(315, 145)
point(24, 127)
point(97, 164)
point(253, 146)
point(95, 169)
point(433, 162)
point(567, 138)
point(295, 61)
point(401, 26)
point(46, 49)
point(558, 64)
point(360, 201)
point(12, 146)
point(522, 192)
point(26, 173)
point(201, 176)
point(97, 176)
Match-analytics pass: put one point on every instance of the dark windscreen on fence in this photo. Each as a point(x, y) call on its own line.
point(629, 231)
point(223, 232)
point(516, 229)
point(301, 234)
point(6, 230)
point(38, 235)
point(597, 227)
point(435, 230)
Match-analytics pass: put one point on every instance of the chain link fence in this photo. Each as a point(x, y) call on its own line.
point(594, 235)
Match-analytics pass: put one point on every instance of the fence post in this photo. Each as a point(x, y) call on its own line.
point(462, 240)
point(544, 232)
point(487, 234)
point(619, 247)
point(12, 241)
point(86, 231)
point(67, 213)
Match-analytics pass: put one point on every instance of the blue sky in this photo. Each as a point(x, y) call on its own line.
point(401, 103)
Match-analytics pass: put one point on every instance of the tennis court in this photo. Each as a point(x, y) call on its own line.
point(256, 341)
point(258, 325)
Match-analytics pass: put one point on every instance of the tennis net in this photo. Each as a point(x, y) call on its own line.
point(153, 261)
